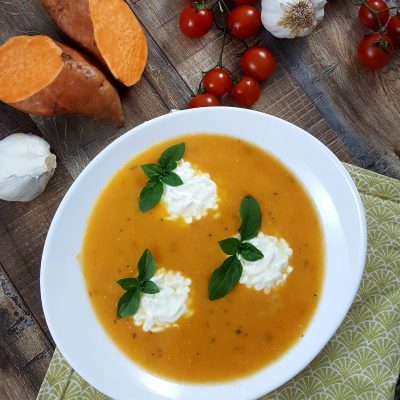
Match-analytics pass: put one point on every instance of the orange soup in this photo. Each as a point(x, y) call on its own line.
point(247, 329)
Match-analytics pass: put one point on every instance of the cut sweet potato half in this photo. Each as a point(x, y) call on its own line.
point(108, 30)
point(43, 77)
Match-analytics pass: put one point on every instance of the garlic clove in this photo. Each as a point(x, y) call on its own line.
point(26, 166)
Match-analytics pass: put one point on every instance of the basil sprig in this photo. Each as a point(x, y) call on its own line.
point(227, 276)
point(160, 174)
point(128, 304)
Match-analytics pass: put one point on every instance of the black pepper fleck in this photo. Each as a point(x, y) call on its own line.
point(268, 337)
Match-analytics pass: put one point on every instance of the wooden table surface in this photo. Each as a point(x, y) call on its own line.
point(318, 86)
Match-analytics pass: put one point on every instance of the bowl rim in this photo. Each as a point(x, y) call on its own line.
point(361, 251)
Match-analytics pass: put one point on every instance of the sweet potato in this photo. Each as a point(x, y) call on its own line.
point(108, 30)
point(43, 77)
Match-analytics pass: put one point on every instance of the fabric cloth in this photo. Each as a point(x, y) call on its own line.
point(362, 360)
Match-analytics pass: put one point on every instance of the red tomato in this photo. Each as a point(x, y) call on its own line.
point(375, 52)
point(246, 92)
point(369, 19)
point(217, 82)
point(244, 2)
point(258, 63)
point(195, 21)
point(204, 100)
point(244, 21)
point(393, 29)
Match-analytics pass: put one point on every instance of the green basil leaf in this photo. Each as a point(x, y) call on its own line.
point(229, 246)
point(146, 266)
point(172, 179)
point(250, 215)
point(170, 166)
point(151, 170)
point(149, 287)
point(250, 252)
point(128, 304)
point(128, 283)
point(171, 156)
point(150, 195)
point(224, 278)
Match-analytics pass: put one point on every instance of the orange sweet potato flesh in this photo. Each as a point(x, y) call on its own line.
point(108, 30)
point(43, 77)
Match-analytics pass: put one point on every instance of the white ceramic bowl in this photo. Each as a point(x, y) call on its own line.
point(69, 314)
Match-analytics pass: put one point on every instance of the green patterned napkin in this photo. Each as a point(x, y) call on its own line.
point(362, 360)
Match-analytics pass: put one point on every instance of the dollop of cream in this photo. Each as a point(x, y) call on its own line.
point(162, 310)
point(270, 271)
point(194, 198)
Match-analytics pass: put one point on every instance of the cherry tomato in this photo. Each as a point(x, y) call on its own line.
point(393, 29)
point(244, 2)
point(246, 92)
point(204, 100)
point(258, 63)
point(370, 20)
point(375, 52)
point(244, 21)
point(195, 20)
point(217, 82)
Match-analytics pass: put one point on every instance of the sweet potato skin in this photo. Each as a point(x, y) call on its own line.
point(73, 18)
point(80, 87)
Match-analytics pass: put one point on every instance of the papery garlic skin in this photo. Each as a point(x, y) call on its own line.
point(291, 18)
point(26, 166)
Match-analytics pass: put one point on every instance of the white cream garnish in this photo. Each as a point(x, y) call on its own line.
point(194, 198)
point(270, 271)
point(161, 310)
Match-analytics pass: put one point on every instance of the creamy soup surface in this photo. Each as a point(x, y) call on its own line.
point(240, 333)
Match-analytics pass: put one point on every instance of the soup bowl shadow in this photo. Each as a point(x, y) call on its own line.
point(69, 314)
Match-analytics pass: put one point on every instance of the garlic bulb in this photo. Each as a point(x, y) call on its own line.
point(26, 165)
point(291, 18)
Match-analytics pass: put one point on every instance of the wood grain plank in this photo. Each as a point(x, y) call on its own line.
point(13, 121)
point(281, 95)
point(23, 225)
point(25, 352)
point(361, 106)
point(23, 229)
